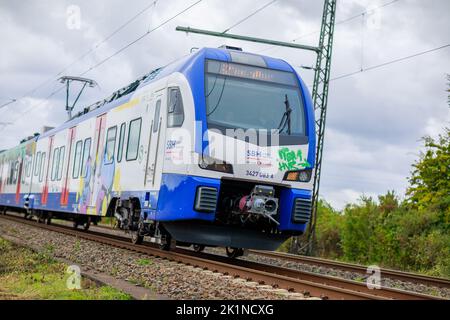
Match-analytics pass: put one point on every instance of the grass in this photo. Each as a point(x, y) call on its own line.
point(27, 275)
point(144, 262)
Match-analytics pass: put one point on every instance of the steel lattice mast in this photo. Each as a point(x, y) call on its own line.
point(320, 100)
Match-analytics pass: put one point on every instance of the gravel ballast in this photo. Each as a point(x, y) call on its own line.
point(385, 281)
point(167, 278)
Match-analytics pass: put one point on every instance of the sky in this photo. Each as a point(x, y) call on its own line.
point(375, 120)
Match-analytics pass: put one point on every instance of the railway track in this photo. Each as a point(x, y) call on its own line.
point(342, 266)
point(312, 284)
point(355, 268)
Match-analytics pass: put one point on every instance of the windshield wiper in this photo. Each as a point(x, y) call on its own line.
point(286, 119)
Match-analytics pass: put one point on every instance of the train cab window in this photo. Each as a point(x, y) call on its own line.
point(175, 108)
point(156, 117)
point(76, 160)
point(121, 141)
point(110, 145)
point(134, 133)
point(86, 154)
point(55, 164)
point(61, 162)
point(41, 167)
point(37, 164)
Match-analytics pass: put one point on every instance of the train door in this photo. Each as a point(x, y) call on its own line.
point(66, 179)
point(19, 167)
point(44, 196)
point(28, 168)
point(96, 164)
point(1, 177)
point(156, 143)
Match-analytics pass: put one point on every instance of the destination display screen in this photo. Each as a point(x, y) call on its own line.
point(250, 72)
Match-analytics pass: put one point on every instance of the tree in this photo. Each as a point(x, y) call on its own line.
point(430, 178)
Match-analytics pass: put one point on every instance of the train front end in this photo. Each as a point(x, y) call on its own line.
point(250, 183)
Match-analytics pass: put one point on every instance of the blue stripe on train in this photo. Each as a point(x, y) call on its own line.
point(174, 202)
point(177, 198)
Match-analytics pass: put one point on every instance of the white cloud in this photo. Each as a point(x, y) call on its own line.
point(375, 119)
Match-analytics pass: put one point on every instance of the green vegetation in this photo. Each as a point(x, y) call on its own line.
point(411, 235)
point(144, 262)
point(25, 274)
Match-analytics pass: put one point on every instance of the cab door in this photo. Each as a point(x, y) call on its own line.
point(19, 166)
point(155, 151)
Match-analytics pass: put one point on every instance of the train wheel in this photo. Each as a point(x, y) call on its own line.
point(234, 252)
point(40, 218)
point(199, 247)
point(166, 243)
point(48, 221)
point(75, 224)
point(87, 224)
point(136, 238)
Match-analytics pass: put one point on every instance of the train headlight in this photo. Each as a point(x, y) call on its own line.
point(299, 176)
point(208, 163)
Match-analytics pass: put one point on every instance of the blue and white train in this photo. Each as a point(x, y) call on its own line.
point(216, 149)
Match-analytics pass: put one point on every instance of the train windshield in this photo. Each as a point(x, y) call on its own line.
point(247, 97)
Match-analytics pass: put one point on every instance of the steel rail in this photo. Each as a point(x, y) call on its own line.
point(228, 268)
point(293, 280)
point(343, 266)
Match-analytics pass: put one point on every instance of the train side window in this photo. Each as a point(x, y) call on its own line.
point(77, 158)
point(11, 173)
point(41, 167)
point(55, 164)
point(134, 135)
point(24, 169)
point(156, 117)
point(14, 172)
point(86, 154)
point(37, 164)
point(121, 141)
point(61, 162)
point(110, 145)
point(30, 164)
point(175, 109)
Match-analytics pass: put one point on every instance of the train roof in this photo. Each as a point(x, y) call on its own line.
point(183, 65)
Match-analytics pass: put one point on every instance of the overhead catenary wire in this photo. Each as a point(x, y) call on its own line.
point(81, 57)
point(141, 37)
point(250, 15)
point(390, 62)
point(109, 57)
point(351, 18)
